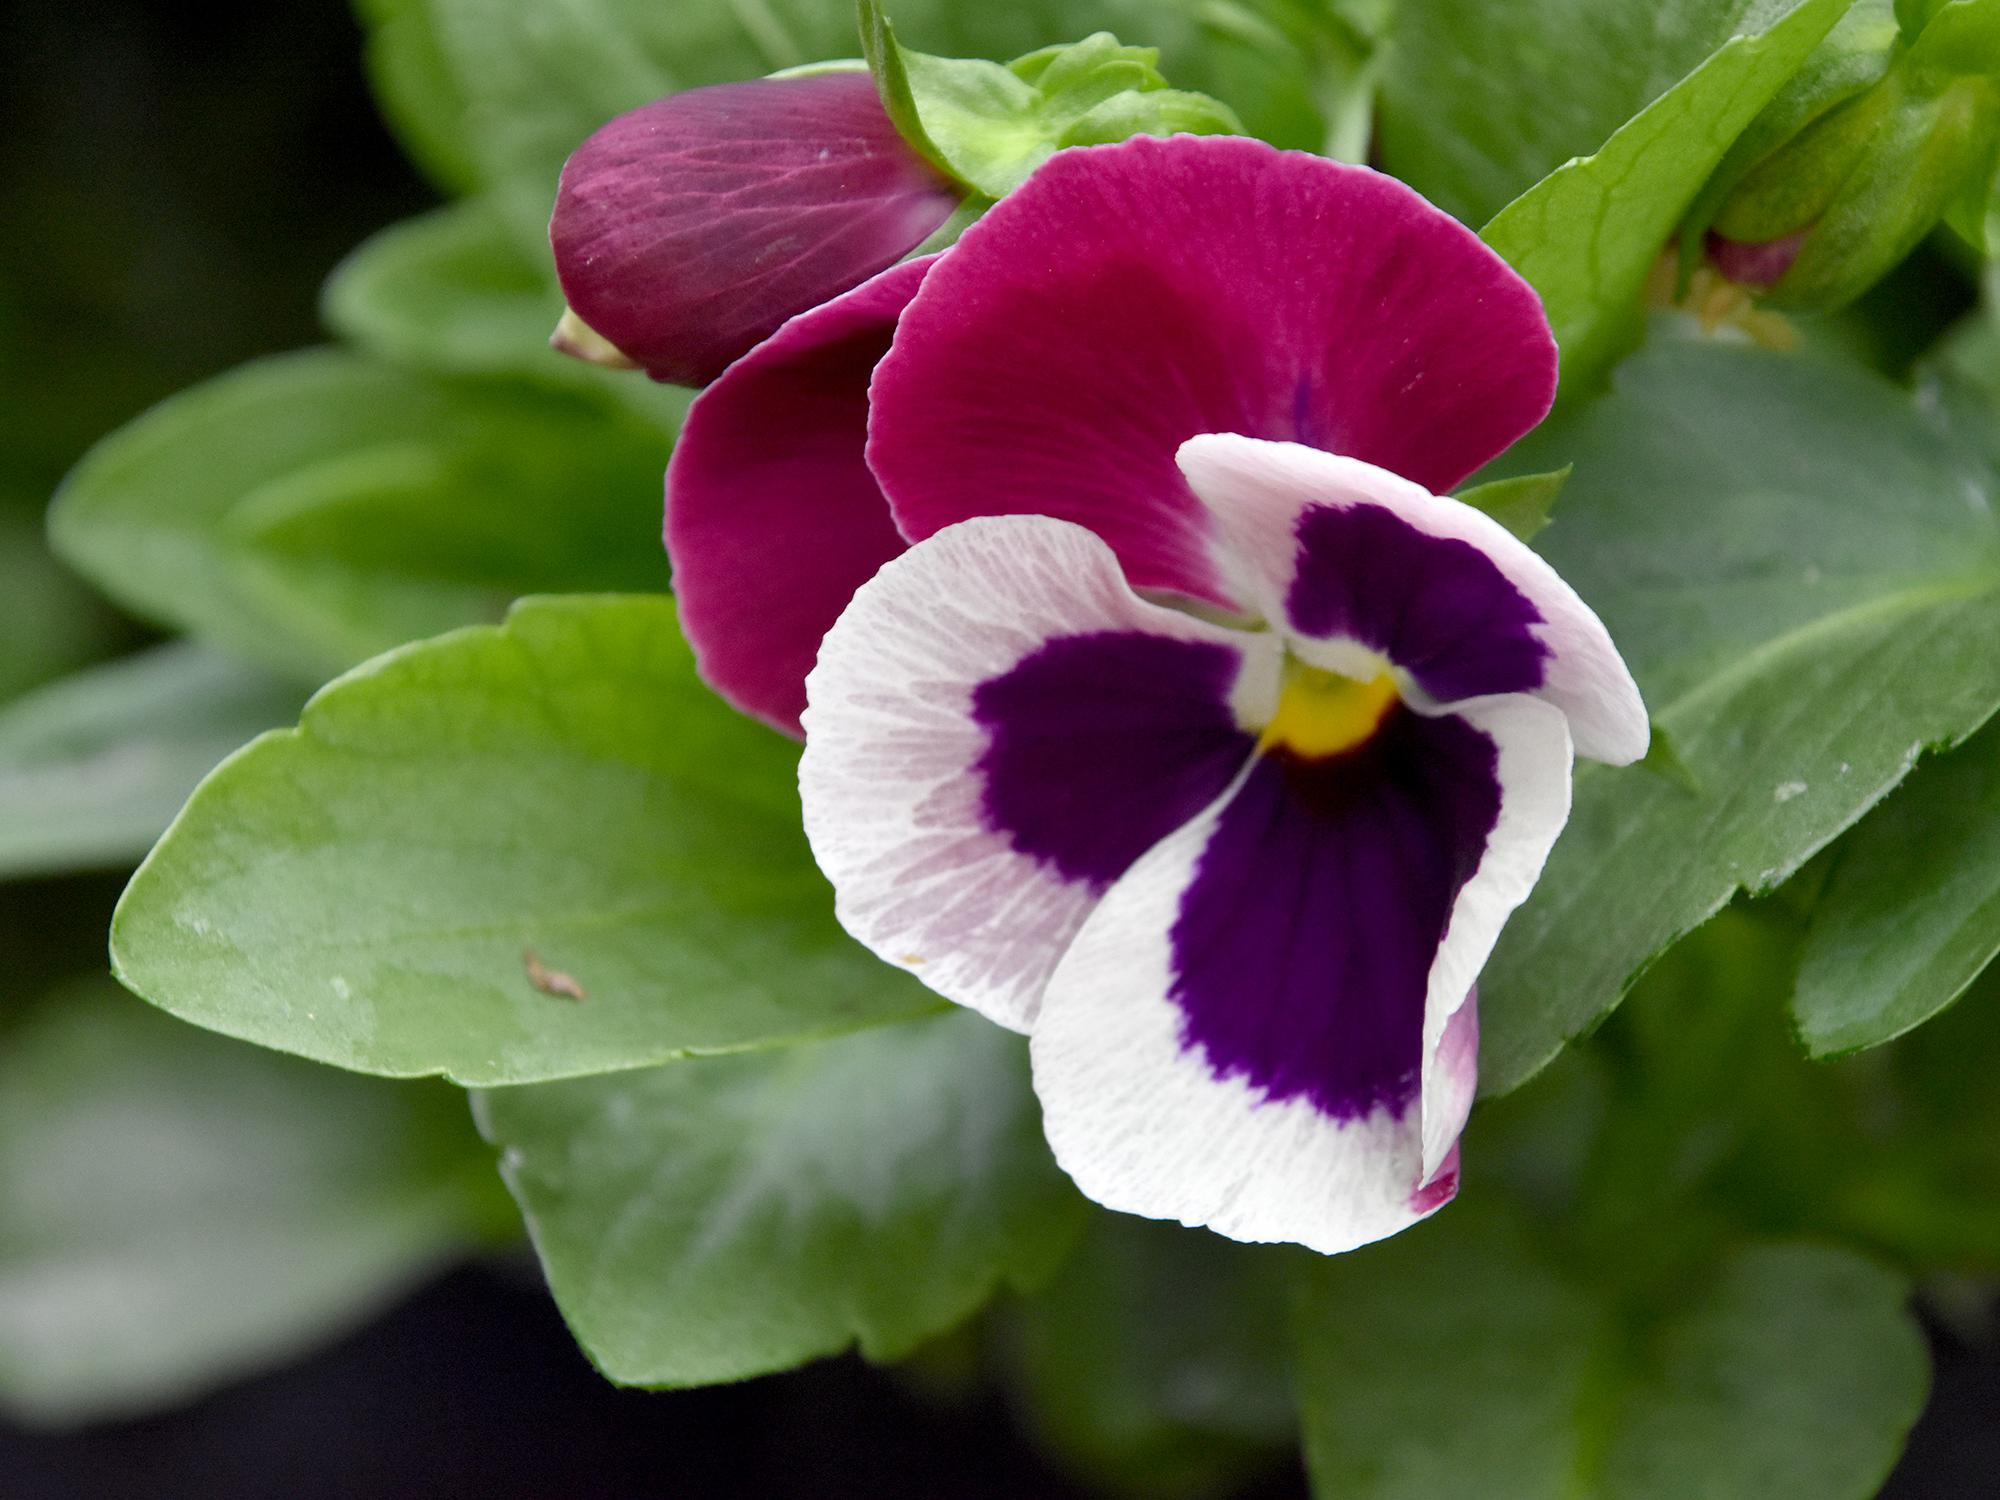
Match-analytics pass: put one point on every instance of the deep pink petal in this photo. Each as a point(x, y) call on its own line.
point(1129, 297)
point(687, 230)
point(773, 519)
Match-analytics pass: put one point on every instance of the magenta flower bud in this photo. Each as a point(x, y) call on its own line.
point(688, 230)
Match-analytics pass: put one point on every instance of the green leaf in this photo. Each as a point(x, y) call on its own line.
point(1481, 101)
point(1151, 1361)
point(1805, 579)
point(421, 100)
point(1521, 504)
point(1586, 236)
point(449, 290)
point(1960, 39)
point(721, 1218)
point(49, 622)
point(1718, 1124)
point(1914, 15)
point(989, 126)
point(1715, 1124)
point(177, 1210)
point(311, 510)
point(1786, 1369)
point(1911, 912)
point(94, 767)
point(1923, 1183)
point(366, 889)
point(453, 293)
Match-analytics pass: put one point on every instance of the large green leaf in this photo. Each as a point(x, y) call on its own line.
point(1911, 912)
point(1806, 580)
point(93, 768)
point(368, 888)
point(1481, 101)
point(451, 291)
point(1586, 236)
point(177, 1210)
point(312, 510)
point(1459, 1350)
point(1151, 1361)
point(724, 1217)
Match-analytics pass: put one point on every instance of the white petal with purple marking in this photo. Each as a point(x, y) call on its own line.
point(1143, 1124)
point(1332, 549)
point(1533, 740)
point(1266, 1027)
point(997, 727)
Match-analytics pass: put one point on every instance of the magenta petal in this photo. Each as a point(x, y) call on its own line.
point(687, 230)
point(773, 519)
point(1129, 297)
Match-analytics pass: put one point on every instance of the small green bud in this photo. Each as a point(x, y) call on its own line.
point(1930, 147)
point(1822, 214)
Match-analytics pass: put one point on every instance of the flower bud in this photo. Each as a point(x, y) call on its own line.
point(688, 230)
point(1824, 215)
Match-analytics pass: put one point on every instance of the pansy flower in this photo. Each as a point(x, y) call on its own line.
point(1174, 719)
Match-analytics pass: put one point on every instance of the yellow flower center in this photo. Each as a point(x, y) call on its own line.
point(1322, 713)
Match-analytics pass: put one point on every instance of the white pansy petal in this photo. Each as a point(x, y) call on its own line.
point(997, 728)
point(1266, 1027)
point(1336, 551)
point(1144, 1124)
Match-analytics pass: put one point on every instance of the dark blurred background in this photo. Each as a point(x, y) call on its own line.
point(177, 181)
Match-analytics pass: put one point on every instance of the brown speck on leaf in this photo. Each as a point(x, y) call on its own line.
point(549, 981)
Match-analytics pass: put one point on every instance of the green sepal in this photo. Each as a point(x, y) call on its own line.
point(988, 125)
point(1522, 503)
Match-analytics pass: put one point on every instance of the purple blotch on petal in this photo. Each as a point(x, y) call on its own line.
point(1129, 297)
point(1303, 946)
point(1100, 745)
point(773, 519)
point(688, 229)
point(1437, 607)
